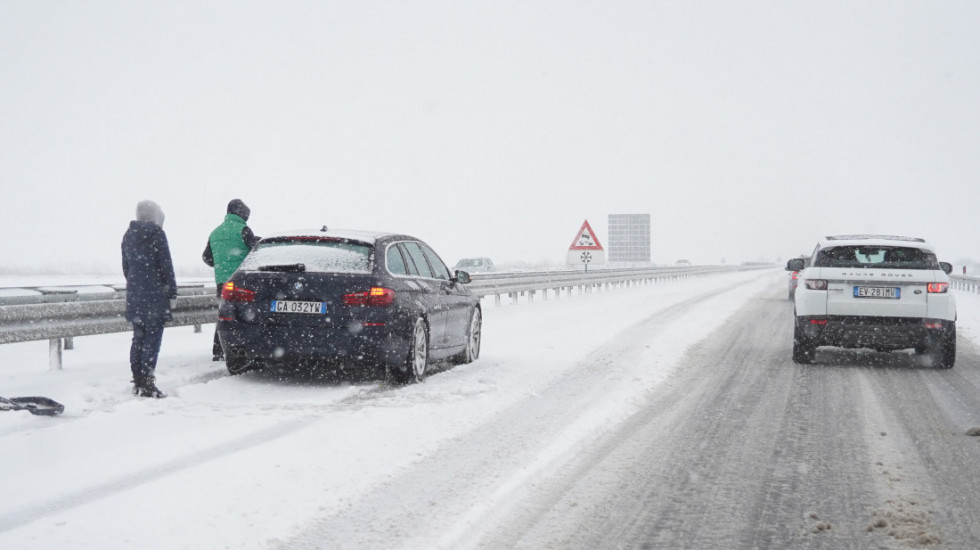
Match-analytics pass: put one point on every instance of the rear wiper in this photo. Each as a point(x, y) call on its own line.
point(288, 268)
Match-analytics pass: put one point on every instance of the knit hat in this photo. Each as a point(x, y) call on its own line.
point(238, 208)
point(149, 211)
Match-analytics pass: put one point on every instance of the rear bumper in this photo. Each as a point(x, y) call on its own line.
point(880, 333)
point(356, 344)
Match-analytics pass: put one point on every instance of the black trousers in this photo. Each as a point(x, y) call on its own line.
point(216, 349)
point(147, 337)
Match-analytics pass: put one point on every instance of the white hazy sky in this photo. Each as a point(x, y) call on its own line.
point(745, 129)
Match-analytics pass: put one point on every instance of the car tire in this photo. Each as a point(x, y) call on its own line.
point(803, 349)
point(413, 368)
point(944, 352)
point(238, 365)
point(474, 337)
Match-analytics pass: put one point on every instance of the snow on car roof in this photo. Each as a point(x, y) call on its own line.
point(353, 234)
point(875, 240)
point(877, 237)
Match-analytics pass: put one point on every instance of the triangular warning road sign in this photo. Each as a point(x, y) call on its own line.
point(586, 239)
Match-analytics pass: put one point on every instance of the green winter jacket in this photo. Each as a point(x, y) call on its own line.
point(227, 247)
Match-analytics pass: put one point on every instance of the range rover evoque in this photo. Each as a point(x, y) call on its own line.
point(879, 292)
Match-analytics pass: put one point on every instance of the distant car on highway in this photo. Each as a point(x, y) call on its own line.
point(351, 297)
point(879, 292)
point(794, 278)
point(682, 262)
point(475, 265)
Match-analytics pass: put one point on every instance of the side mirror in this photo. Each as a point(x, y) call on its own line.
point(946, 267)
point(462, 277)
point(796, 264)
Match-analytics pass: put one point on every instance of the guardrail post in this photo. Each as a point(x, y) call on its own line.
point(54, 354)
point(197, 328)
point(69, 342)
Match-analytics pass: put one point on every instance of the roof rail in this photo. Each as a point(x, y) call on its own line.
point(864, 237)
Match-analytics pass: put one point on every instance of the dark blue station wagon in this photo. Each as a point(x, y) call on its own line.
point(348, 297)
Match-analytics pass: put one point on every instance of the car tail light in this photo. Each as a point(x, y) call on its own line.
point(816, 284)
point(795, 274)
point(933, 324)
point(232, 293)
point(820, 322)
point(377, 296)
point(938, 288)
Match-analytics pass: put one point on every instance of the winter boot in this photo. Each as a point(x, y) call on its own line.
point(147, 388)
point(151, 391)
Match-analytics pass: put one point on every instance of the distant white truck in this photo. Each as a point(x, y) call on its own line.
point(874, 291)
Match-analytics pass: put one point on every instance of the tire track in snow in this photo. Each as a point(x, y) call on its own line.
point(859, 450)
point(35, 511)
point(527, 441)
point(86, 496)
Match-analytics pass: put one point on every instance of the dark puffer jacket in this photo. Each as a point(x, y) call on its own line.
point(149, 271)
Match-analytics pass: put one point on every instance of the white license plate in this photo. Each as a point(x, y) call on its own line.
point(877, 292)
point(294, 306)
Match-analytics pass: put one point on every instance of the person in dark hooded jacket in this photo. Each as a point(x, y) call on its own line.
point(227, 246)
point(150, 288)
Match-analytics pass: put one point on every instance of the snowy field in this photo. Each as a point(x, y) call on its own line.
point(255, 461)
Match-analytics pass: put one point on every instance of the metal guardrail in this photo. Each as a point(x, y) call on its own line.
point(530, 283)
point(59, 314)
point(964, 283)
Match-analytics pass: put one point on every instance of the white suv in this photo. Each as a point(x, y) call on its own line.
point(874, 291)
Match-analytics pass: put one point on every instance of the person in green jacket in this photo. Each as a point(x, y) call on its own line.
point(226, 248)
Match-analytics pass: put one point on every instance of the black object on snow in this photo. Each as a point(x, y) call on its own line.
point(35, 405)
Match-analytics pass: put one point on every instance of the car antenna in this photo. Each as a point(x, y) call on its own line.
point(323, 229)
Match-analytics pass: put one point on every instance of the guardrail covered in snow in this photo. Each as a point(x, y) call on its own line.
point(966, 284)
point(530, 283)
point(60, 313)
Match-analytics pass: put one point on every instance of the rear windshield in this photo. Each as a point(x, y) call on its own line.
point(887, 257)
point(317, 255)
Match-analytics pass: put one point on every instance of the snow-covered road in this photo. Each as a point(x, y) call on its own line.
point(744, 449)
point(477, 456)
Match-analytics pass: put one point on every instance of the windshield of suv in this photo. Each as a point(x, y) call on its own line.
point(318, 255)
point(888, 257)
